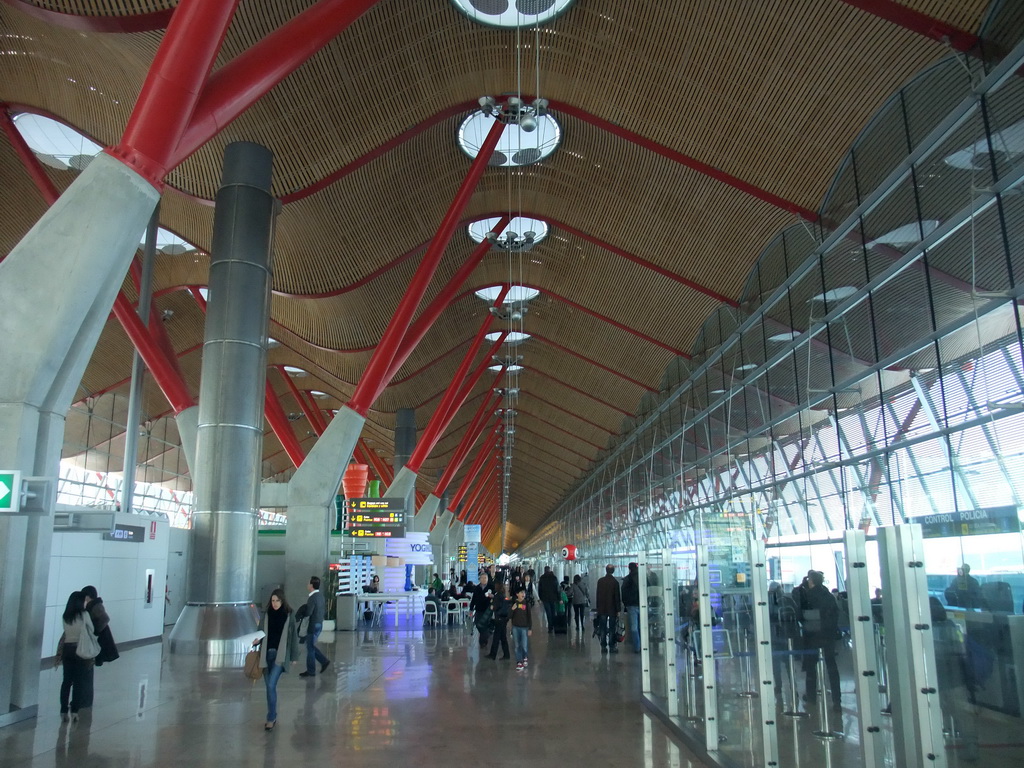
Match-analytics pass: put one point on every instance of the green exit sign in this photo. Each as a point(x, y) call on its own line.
point(10, 491)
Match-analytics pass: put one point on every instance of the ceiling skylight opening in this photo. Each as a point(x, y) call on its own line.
point(169, 243)
point(318, 394)
point(836, 294)
point(55, 144)
point(907, 235)
point(292, 370)
point(512, 13)
point(513, 368)
point(517, 294)
point(513, 337)
point(521, 234)
point(518, 145)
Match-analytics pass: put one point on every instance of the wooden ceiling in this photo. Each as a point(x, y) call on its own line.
point(692, 134)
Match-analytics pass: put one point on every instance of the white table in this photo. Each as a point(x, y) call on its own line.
point(412, 601)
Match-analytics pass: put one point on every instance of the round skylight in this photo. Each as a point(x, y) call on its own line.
point(508, 369)
point(513, 337)
point(294, 371)
point(512, 13)
point(518, 229)
point(516, 146)
point(516, 295)
point(57, 145)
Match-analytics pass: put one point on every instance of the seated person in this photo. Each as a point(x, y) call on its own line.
point(372, 588)
point(433, 598)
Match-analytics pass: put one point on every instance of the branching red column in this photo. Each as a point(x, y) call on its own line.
point(486, 449)
point(171, 91)
point(248, 77)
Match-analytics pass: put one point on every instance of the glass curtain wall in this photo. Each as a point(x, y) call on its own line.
point(870, 377)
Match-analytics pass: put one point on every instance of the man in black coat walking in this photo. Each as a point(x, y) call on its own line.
point(820, 618)
point(547, 589)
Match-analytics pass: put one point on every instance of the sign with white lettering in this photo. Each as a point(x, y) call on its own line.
point(136, 533)
point(969, 522)
point(374, 518)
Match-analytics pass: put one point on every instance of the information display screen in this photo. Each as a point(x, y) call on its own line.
point(375, 518)
point(135, 533)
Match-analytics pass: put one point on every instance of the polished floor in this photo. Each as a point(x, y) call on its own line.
point(392, 697)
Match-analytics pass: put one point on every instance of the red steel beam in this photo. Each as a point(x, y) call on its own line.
point(170, 94)
point(374, 378)
point(170, 384)
point(458, 392)
point(282, 428)
point(485, 449)
point(473, 432)
point(46, 187)
point(248, 77)
point(486, 477)
point(384, 472)
point(310, 416)
point(444, 297)
point(579, 391)
point(918, 23)
point(605, 368)
point(567, 412)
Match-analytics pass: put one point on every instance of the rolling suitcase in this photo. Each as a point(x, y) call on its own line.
point(561, 624)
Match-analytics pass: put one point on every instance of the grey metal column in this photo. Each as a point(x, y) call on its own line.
point(668, 623)
point(913, 686)
point(707, 650)
point(219, 618)
point(131, 435)
point(764, 668)
point(865, 659)
point(645, 628)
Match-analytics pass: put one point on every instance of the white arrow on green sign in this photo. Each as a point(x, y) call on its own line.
point(10, 491)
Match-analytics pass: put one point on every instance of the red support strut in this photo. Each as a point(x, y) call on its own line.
point(278, 421)
point(374, 378)
point(170, 384)
point(486, 449)
point(476, 426)
point(444, 297)
point(176, 77)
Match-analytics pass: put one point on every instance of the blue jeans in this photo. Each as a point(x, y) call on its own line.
point(271, 675)
point(522, 643)
point(314, 654)
point(634, 624)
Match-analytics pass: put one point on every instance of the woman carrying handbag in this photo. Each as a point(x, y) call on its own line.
point(78, 651)
point(278, 648)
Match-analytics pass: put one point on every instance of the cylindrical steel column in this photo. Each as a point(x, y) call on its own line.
point(220, 617)
point(405, 436)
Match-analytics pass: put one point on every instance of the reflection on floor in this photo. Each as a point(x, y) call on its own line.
point(390, 697)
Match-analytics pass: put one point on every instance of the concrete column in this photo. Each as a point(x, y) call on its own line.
point(311, 493)
point(54, 309)
point(220, 617)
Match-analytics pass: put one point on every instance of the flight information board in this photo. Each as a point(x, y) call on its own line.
point(375, 518)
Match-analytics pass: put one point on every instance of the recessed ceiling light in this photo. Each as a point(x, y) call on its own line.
point(318, 394)
point(508, 369)
point(272, 342)
point(294, 371)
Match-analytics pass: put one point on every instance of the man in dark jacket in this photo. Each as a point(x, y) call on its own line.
point(609, 604)
point(547, 589)
point(480, 608)
point(820, 617)
point(631, 599)
point(316, 610)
